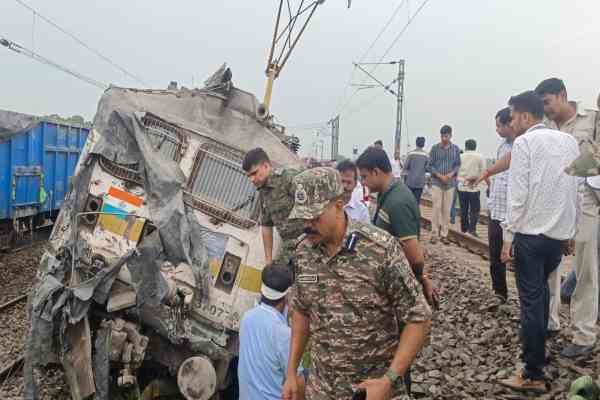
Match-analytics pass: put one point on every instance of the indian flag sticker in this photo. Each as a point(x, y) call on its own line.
point(121, 204)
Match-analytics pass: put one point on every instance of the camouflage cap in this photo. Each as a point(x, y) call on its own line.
point(315, 188)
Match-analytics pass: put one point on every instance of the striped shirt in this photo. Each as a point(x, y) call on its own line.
point(443, 161)
point(498, 192)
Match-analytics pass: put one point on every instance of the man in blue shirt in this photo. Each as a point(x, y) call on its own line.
point(415, 167)
point(265, 339)
point(444, 158)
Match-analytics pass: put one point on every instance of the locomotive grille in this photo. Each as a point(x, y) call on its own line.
point(167, 139)
point(220, 188)
point(126, 172)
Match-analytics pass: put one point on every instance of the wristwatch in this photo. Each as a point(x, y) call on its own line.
point(392, 376)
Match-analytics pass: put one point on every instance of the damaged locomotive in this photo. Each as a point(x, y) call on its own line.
point(156, 253)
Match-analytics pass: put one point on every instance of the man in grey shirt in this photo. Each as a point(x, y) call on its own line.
point(444, 159)
point(416, 165)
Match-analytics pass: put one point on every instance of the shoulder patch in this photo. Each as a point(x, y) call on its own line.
point(291, 171)
point(374, 234)
point(384, 216)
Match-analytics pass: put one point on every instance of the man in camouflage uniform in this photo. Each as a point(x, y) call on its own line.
point(276, 198)
point(355, 296)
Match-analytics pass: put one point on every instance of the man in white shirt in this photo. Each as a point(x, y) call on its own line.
point(541, 219)
point(354, 207)
point(472, 165)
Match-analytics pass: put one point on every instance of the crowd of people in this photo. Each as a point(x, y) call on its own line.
point(353, 276)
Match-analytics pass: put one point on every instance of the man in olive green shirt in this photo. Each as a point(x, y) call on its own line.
point(397, 211)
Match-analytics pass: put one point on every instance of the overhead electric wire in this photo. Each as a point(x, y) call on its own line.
point(81, 42)
point(381, 32)
point(410, 20)
point(389, 49)
point(360, 107)
point(308, 126)
point(366, 53)
point(17, 48)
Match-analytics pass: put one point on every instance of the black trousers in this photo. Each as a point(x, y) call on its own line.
point(536, 256)
point(497, 267)
point(417, 192)
point(470, 205)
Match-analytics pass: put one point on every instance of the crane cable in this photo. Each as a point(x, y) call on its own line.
point(80, 42)
point(17, 48)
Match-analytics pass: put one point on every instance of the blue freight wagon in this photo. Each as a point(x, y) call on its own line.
point(37, 158)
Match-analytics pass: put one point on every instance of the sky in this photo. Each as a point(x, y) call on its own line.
point(464, 59)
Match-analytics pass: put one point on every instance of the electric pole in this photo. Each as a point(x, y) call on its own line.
point(335, 137)
point(398, 94)
point(399, 104)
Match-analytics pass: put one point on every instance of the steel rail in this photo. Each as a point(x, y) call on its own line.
point(471, 243)
point(14, 301)
point(484, 219)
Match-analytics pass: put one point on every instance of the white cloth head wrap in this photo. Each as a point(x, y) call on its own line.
point(272, 294)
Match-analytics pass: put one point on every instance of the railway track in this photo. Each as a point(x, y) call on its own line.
point(483, 218)
point(476, 245)
point(472, 345)
point(472, 244)
point(12, 342)
point(18, 270)
point(14, 301)
point(491, 346)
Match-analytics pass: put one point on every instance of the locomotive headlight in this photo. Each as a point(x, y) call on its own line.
point(228, 273)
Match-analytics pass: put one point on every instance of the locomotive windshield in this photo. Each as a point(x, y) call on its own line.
point(221, 188)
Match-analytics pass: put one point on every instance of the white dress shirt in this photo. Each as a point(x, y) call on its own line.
point(358, 194)
point(542, 198)
point(357, 210)
point(472, 165)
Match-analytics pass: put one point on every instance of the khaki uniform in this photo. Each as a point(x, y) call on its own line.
point(584, 302)
point(358, 302)
point(585, 127)
point(276, 202)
